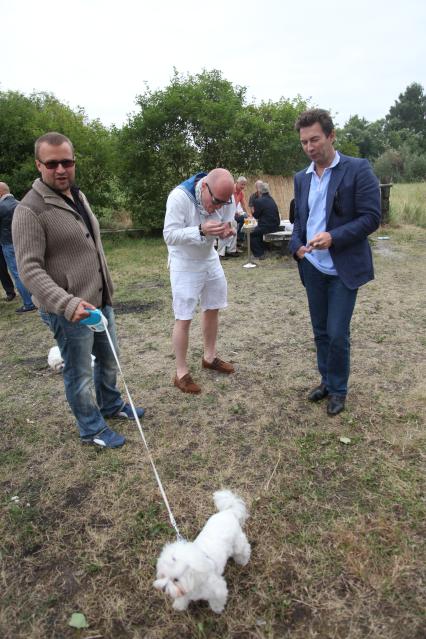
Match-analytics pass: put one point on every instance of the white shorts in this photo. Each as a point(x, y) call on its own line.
point(207, 287)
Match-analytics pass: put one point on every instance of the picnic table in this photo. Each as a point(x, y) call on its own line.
point(282, 236)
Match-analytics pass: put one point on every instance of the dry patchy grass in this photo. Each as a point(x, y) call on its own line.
point(337, 531)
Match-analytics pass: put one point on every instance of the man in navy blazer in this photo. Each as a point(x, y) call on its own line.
point(337, 205)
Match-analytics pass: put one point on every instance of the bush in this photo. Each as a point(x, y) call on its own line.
point(389, 166)
point(415, 167)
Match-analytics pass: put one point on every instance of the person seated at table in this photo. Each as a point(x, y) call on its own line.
point(291, 211)
point(268, 221)
point(240, 202)
point(228, 247)
point(254, 196)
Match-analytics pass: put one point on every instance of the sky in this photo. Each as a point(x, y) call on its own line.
point(351, 57)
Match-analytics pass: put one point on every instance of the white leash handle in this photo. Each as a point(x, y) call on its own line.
point(157, 477)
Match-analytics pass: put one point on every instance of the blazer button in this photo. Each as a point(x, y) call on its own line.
point(87, 235)
point(100, 270)
point(100, 290)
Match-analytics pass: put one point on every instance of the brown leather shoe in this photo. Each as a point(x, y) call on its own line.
point(186, 384)
point(219, 365)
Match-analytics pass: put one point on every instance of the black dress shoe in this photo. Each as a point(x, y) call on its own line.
point(335, 405)
point(318, 393)
point(10, 297)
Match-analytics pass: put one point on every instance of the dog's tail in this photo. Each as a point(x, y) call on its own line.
point(227, 500)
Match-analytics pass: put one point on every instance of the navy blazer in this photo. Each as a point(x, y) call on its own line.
point(352, 213)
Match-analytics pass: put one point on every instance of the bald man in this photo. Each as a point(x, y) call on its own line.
point(198, 211)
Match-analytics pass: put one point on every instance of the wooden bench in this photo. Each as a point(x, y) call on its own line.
point(279, 238)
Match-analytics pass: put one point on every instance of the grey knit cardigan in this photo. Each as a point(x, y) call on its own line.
point(57, 259)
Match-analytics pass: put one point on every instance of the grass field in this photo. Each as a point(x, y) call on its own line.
point(337, 530)
point(407, 204)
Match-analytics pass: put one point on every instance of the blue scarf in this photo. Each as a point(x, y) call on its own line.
point(189, 186)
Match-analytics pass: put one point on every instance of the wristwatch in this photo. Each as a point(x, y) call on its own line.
point(201, 231)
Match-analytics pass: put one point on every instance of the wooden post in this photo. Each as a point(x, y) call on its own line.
point(385, 187)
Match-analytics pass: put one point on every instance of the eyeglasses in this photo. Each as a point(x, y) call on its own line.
point(53, 164)
point(215, 201)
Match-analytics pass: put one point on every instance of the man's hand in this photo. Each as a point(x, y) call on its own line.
point(81, 311)
point(302, 250)
point(227, 232)
point(217, 228)
point(321, 241)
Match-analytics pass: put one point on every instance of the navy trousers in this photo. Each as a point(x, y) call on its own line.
point(331, 305)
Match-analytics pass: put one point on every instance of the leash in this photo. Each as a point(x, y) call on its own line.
point(157, 476)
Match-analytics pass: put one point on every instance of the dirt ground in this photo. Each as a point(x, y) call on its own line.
point(337, 530)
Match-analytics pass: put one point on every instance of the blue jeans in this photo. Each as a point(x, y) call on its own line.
point(77, 343)
point(331, 305)
point(9, 256)
point(240, 223)
point(4, 276)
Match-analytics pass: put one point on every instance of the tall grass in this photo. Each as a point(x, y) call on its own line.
point(408, 204)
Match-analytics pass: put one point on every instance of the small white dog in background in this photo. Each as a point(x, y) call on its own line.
point(55, 361)
point(188, 571)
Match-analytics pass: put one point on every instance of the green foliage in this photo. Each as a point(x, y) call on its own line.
point(409, 112)
point(403, 165)
point(196, 123)
point(348, 147)
point(414, 166)
point(397, 144)
point(282, 153)
point(362, 138)
point(24, 118)
point(389, 166)
point(201, 122)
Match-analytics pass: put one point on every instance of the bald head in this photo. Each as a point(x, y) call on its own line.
point(217, 189)
point(221, 179)
point(4, 189)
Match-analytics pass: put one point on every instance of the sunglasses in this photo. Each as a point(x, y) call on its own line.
point(215, 201)
point(53, 164)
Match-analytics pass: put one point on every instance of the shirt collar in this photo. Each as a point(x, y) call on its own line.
point(198, 196)
point(3, 197)
point(336, 160)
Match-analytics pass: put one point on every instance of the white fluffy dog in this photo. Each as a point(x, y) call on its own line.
point(188, 571)
point(55, 361)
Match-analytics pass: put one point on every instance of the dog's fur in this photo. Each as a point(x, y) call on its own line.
point(55, 361)
point(188, 571)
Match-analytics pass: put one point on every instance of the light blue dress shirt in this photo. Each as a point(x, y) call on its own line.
point(321, 259)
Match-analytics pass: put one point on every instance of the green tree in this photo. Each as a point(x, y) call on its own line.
point(24, 118)
point(389, 166)
point(282, 152)
point(409, 111)
point(368, 137)
point(179, 130)
point(197, 123)
point(406, 120)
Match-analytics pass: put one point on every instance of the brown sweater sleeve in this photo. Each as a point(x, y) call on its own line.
point(29, 241)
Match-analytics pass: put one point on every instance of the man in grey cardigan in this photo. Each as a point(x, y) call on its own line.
point(61, 261)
